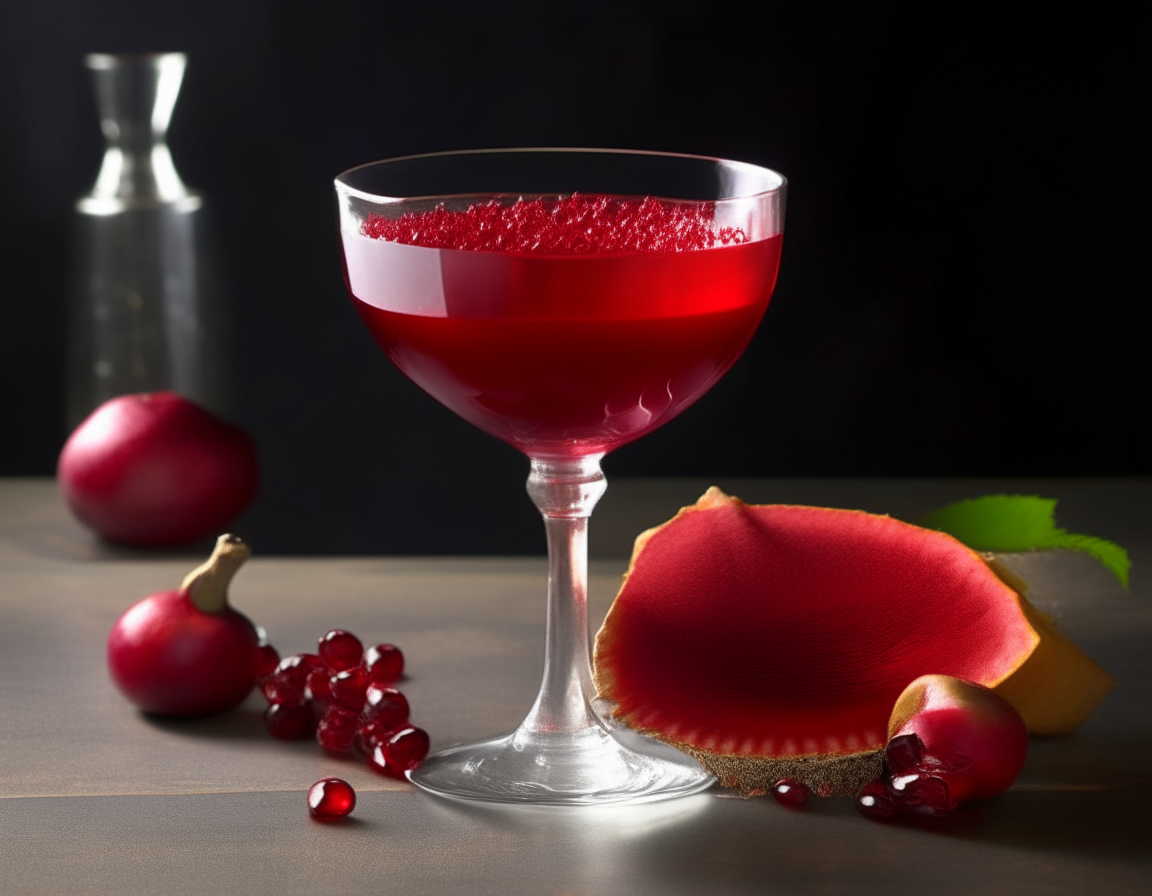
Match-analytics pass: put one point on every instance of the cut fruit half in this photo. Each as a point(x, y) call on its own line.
point(772, 641)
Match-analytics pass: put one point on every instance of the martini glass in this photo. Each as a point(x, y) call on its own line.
point(564, 357)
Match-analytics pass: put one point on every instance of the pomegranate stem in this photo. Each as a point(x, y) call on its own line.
point(207, 585)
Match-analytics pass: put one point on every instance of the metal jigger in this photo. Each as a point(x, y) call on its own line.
point(145, 314)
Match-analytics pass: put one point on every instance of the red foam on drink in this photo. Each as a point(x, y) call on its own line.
point(579, 224)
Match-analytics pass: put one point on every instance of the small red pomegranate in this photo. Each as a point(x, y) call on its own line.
point(187, 652)
point(156, 469)
point(960, 738)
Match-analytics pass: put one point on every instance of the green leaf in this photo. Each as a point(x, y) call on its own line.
point(1021, 523)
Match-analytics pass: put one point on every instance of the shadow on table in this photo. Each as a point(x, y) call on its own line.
point(242, 723)
point(713, 842)
point(67, 541)
point(1102, 824)
point(1070, 841)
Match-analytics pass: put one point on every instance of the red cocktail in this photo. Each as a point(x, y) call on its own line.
point(560, 354)
point(566, 302)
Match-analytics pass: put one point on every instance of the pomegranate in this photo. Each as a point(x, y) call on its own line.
point(949, 730)
point(187, 652)
point(156, 469)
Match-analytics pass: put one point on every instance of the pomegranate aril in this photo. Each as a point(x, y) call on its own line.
point(924, 797)
point(331, 798)
point(286, 685)
point(375, 733)
point(347, 688)
point(403, 751)
point(288, 722)
point(336, 730)
point(386, 705)
point(343, 696)
point(267, 659)
point(319, 710)
point(274, 694)
point(311, 661)
point(378, 762)
point(341, 650)
point(319, 687)
point(904, 754)
point(875, 801)
point(406, 749)
point(790, 792)
point(385, 664)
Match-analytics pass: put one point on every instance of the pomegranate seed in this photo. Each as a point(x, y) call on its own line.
point(341, 650)
point(267, 659)
point(331, 798)
point(790, 792)
point(904, 754)
point(342, 695)
point(923, 797)
point(378, 762)
point(336, 730)
point(319, 709)
point(347, 688)
point(375, 733)
point(311, 660)
point(875, 801)
point(318, 684)
point(385, 664)
point(288, 722)
point(286, 685)
point(274, 694)
point(386, 705)
point(406, 749)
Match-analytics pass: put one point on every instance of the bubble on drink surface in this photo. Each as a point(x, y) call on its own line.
point(577, 224)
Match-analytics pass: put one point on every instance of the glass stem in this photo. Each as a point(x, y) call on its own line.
point(565, 491)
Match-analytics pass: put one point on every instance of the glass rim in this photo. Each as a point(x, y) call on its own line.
point(343, 186)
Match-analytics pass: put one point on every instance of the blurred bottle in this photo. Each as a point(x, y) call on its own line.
point(146, 313)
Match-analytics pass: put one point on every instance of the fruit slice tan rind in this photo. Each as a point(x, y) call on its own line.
point(773, 640)
point(825, 775)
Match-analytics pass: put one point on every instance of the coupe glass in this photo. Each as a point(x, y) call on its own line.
point(564, 357)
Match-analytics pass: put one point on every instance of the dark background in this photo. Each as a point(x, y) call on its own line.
point(959, 292)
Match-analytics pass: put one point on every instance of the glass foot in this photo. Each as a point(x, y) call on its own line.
point(561, 768)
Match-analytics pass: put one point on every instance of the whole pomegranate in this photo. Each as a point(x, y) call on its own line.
point(187, 652)
point(952, 741)
point(156, 469)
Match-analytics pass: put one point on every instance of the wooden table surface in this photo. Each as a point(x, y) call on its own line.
point(96, 798)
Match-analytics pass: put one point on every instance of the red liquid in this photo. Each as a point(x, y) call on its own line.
point(562, 355)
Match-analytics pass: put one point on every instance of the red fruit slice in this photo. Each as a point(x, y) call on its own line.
point(772, 642)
